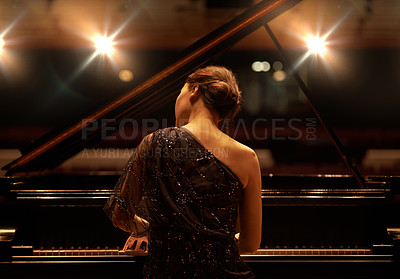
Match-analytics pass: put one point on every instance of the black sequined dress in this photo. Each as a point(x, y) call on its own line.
point(190, 200)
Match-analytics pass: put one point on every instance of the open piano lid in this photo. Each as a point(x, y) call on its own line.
point(54, 148)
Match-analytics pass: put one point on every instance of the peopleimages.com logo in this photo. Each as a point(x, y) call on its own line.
point(257, 129)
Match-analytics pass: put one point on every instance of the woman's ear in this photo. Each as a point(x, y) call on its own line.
point(194, 94)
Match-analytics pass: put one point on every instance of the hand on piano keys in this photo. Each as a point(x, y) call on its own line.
point(139, 243)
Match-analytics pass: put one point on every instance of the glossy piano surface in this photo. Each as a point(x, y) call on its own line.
point(321, 221)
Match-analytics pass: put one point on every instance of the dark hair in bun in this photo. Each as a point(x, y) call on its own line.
point(219, 90)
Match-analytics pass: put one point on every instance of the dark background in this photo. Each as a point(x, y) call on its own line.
point(356, 92)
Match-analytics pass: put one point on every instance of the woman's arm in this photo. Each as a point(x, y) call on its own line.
point(122, 207)
point(250, 209)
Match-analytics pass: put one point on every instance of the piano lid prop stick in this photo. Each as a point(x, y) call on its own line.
point(306, 91)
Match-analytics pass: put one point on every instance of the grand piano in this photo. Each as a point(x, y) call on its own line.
point(314, 226)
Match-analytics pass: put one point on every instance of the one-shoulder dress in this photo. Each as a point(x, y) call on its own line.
point(186, 199)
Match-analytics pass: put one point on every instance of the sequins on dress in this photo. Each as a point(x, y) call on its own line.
point(177, 191)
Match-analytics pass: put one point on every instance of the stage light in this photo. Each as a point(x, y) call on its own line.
point(1, 43)
point(104, 45)
point(277, 65)
point(279, 76)
point(126, 75)
point(256, 66)
point(316, 45)
point(259, 66)
point(266, 66)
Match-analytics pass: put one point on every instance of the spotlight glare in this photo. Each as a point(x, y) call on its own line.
point(104, 45)
point(1, 43)
point(316, 45)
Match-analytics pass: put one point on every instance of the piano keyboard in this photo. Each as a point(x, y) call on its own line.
point(89, 252)
point(258, 260)
point(71, 252)
point(312, 252)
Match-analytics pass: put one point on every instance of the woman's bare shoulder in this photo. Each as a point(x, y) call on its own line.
point(241, 148)
point(242, 159)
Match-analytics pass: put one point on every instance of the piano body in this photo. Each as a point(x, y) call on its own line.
point(314, 226)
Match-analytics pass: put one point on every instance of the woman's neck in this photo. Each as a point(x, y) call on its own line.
point(203, 123)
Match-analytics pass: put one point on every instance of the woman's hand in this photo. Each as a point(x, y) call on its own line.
point(137, 242)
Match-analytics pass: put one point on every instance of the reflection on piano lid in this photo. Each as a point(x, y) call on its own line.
point(7, 234)
point(93, 189)
point(323, 189)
